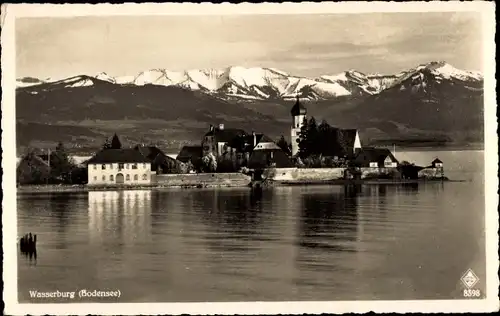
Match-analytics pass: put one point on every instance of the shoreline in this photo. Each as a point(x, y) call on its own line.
point(363, 182)
point(29, 189)
point(84, 188)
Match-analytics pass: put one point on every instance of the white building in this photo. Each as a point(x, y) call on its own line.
point(119, 166)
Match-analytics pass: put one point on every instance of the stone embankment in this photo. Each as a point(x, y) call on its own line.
point(275, 176)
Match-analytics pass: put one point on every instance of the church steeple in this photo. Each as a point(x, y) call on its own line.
point(298, 116)
point(298, 108)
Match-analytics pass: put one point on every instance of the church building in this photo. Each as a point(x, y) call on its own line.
point(344, 142)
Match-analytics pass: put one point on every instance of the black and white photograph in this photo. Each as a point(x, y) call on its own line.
point(262, 158)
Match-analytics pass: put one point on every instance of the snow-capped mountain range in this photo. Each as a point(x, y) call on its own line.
point(264, 83)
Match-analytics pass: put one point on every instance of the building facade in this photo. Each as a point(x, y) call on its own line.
point(119, 166)
point(216, 140)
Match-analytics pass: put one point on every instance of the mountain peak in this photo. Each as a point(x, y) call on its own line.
point(261, 83)
point(448, 71)
point(105, 77)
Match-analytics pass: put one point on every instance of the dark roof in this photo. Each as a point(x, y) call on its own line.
point(162, 160)
point(149, 152)
point(244, 143)
point(437, 161)
point(226, 135)
point(128, 155)
point(187, 153)
point(371, 154)
point(298, 108)
point(261, 138)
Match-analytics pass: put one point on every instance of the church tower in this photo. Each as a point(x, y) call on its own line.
point(298, 115)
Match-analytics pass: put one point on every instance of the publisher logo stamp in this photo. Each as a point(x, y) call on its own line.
point(469, 279)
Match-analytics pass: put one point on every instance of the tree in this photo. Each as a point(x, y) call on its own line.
point(32, 169)
point(343, 145)
point(313, 137)
point(309, 139)
point(209, 163)
point(282, 143)
point(115, 142)
point(299, 163)
point(107, 144)
point(303, 140)
point(79, 175)
point(189, 166)
point(324, 138)
point(226, 164)
point(61, 165)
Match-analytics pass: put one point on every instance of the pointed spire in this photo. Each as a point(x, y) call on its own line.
point(115, 142)
point(298, 108)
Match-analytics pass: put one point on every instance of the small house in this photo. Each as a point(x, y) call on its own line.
point(164, 164)
point(160, 162)
point(119, 166)
point(375, 158)
point(262, 141)
point(436, 163)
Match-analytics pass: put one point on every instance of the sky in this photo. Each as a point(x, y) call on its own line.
point(303, 45)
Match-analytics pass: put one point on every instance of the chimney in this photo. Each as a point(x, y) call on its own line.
point(211, 127)
point(254, 139)
point(221, 126)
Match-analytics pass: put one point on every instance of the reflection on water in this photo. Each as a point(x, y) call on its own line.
point(119, 218)
point(284, 243)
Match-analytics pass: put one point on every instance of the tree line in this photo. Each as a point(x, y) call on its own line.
point(320, 140)
point(51, 167)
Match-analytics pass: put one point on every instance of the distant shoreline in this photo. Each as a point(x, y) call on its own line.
point(471, 147)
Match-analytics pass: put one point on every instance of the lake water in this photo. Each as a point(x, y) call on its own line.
point(370, 242)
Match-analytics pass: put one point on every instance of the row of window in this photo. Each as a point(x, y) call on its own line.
point(121, 166)
point(127, 177)
point(386, 164)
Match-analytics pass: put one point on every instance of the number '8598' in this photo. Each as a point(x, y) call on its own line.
point(472, 293)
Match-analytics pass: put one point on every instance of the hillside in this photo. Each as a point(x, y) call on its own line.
point(432, 102)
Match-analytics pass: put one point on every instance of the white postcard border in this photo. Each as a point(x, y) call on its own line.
point(11, 12)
